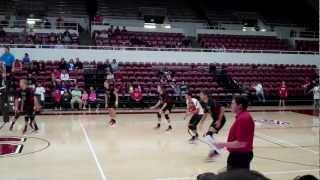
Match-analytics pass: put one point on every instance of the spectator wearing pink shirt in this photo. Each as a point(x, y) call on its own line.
point(57, 99)
point(84, 99)
point(92, 99)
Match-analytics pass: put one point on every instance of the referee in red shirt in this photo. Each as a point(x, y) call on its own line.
point(240, 138)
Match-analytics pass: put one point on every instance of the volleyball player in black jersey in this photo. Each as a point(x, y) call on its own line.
point(26, 104)
point(165, 103)
point(218, 119)
point(111, 102)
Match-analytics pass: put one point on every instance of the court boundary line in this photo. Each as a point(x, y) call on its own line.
point(286, 142)
point(93, 153)
point(265, 173)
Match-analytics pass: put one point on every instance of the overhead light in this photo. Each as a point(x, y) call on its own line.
point(149, 25)
point(263, 30)
point(167, 26)
point(244, 28)
point(32, 21)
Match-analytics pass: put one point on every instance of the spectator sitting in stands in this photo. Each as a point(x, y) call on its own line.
point(52, 38)
point(31, 81)
point(35, 67)
point(63, 86)
point(124, 30)
point(98, 19)
point(78, 65)
point(104, 35)
point(92, 101)
point(117, 30)
point(114, 65)
point(66, 39)
point(57, 99)
point(110, 76)
point(2, 33)
point(136, 96)
point(59, 22)
point(63, 64)
point(110, 30)
point(59, 45)
point(107, 65)
point(55, 77)
point(71, 65)
point(39, 92)
point(183, 89)
point(65, 100)
point(26, 59)
point(66, 33)
point(17, 66)
point(84, 98)
point(47, 24)
point(76, 97)
point(64, 76)
point(177, 90)
point(42, 66)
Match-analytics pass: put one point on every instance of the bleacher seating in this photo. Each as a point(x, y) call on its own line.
point(38, 38)
point(271, 77)
point(197, 76)
point(307, 45)
point(143, 39)
point(219, 41)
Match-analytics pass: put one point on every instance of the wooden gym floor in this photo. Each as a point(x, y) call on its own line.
point(83, 147)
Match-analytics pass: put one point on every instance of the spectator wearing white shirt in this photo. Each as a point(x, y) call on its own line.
point(104, 35)
point(76, 97)
point(40, 93)
point(114, 65)
point(259, 92)
point(110, 76)
point(196, 110)
point(316, 96)
point(64, 76)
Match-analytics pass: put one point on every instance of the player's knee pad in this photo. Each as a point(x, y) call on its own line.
point(32, 118)
point(16, 116)
point(209, 133)
point(26, 118)
point(158, 115)
point(167, 116)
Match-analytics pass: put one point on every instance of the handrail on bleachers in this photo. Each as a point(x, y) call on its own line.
point(47, 46)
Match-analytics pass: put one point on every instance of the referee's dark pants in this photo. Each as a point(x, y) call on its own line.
point(239, 160)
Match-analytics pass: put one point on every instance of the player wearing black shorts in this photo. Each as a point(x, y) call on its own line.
point(26, 104)
point(165, 103)
point(218, 119)
point(111, 102)
point(193, 107)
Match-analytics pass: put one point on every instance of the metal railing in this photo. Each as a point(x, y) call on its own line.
point(40, 25)
point(47, 46)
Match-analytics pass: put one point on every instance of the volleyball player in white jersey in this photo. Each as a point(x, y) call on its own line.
point(193, 107)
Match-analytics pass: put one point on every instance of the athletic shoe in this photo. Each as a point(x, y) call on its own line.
point(24, 130)
point(210, 141)
point(169, 128)
point(11, 126)
point(193, 140)
point(212, 156)
point(157, 127)
point(31, 125)
point(112, 123)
